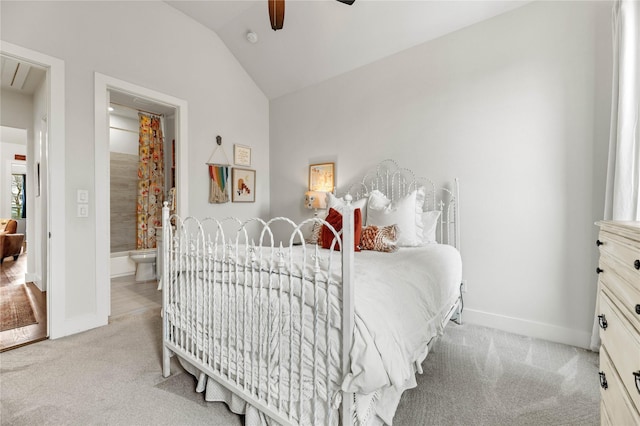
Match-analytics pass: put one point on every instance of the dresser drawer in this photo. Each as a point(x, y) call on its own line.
point(625, 296)
point(618, 410)
point(604, 416)
point(625, 253)
point(622, 344)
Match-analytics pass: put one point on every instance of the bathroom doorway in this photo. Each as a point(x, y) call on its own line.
point(118, 108)
point(134, 162)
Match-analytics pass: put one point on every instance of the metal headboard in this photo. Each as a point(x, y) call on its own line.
point(396, 182)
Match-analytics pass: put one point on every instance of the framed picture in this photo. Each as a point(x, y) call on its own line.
point(321, 177)
point(242, 155)
point(243, 185)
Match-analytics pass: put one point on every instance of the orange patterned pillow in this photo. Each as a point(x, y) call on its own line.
point(382, 238)
point(316, 234)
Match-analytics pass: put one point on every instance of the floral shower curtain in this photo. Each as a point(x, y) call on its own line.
point(150, 180)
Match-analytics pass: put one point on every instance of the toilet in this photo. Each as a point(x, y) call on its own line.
point(145, 260)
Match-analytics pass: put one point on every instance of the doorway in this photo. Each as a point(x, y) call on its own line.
point(23, 280)
point(27, 102)
point(131, 97)
point(127, 113)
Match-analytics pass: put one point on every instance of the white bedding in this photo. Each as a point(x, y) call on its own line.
point(401, 301)
point(396, 318)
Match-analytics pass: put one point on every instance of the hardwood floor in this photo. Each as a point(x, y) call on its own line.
point(12, 273)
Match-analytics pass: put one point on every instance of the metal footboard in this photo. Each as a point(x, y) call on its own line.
point(263, 320)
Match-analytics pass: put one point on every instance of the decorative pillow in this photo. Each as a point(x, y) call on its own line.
point(334, 218)
point(316, 232)
point(339, 204)
point(430, 224)
point(379, 239)
point(406, 213)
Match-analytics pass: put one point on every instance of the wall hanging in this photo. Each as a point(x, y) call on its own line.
point(218, 175)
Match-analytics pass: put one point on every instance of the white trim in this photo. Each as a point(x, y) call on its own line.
point(538, 330)
point(103, 83)
point(57, 324)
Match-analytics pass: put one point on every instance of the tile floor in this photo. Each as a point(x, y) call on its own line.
point(131, 297)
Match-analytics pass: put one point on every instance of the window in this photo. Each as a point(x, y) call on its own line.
point(18, 196)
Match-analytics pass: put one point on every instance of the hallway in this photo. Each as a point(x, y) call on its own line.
point(12, 274)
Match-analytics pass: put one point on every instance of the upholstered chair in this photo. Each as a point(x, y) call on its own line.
point(10, 242)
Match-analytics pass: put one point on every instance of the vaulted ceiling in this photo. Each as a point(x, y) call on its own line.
point(325, 38)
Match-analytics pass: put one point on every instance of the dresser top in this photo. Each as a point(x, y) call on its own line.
point(629, 229)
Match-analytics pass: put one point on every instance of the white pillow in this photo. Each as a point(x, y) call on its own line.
point(430, 224)
point(339, 204)
point(405, 213)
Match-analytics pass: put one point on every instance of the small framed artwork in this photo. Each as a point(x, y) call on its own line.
point(243, 185)
point(242, 155)
point(321, 177)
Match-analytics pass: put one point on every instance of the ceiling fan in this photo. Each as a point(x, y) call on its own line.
point(276, 12)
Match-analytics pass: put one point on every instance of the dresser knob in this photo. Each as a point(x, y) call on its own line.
point(598, 270)
point(638, 309)
point(603, 380)
point(599, 243)
point(636, 375)
point(602, 320)
point(636, 264)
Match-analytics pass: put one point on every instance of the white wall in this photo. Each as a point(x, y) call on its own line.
point(152, 45)
point(16, 110)
point(37, 222)
point(516, 107)
point(123, 134)
point(8, 163)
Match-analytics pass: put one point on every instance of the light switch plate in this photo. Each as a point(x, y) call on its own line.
point(83, 196)
point(83, 210)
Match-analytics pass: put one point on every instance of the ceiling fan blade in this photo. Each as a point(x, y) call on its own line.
point(276, 14)
point(349, 2)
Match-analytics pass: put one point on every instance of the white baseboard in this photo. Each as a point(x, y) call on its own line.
point(528, 328)
point(32, 277)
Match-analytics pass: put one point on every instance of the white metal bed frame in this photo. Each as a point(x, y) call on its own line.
point(195, 262)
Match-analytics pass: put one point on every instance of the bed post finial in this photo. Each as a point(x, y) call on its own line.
point(348, 198)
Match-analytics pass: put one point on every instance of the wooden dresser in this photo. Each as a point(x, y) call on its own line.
point(619, 319)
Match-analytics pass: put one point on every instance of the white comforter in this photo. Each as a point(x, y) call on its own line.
point(401, 300)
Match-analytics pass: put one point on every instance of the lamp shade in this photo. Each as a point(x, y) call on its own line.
point(315, 200)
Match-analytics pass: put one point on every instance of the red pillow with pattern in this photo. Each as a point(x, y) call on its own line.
point(334, 218)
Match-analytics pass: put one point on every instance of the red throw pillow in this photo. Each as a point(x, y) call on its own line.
point(334, 218)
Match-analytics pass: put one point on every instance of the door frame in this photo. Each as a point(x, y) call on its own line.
point(55, 255)
point(103, 84)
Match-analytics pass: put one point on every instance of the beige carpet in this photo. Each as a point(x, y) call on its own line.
point(474, 376)
point(15, 307)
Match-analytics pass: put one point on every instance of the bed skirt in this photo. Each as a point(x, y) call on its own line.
point(215, 392)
